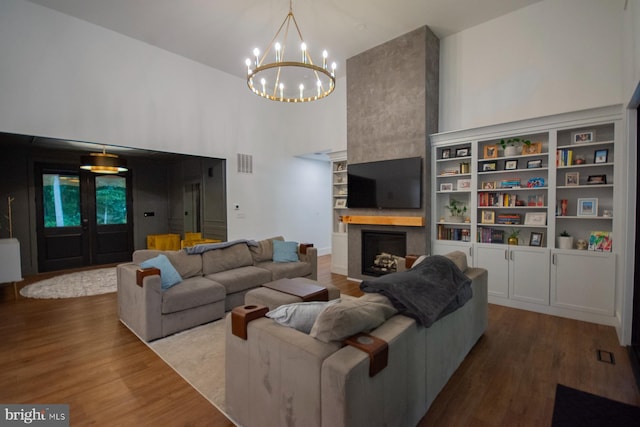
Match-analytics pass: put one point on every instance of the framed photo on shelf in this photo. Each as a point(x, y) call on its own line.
point(341, 203)
point(533, 148)
point(510, 165)
point(583, 136)
point(597, 179)
point(490, 151)
point(534, 164)
point(588, 206)
point(536, 238)
point(464, 184)
point(446, 153)
point(535, 218)
point(489, 185)
point(489, 166)
point(571, 179)
point(463, 152)
point(600, 156)
point(446, 186)
point(488, 217)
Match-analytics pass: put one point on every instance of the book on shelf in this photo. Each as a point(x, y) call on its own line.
point(490, 235)
point(507, 218)
point(497, 199)
point(453, 233)
point(564, 157)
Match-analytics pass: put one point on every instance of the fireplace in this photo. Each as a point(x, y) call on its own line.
point(380, 250)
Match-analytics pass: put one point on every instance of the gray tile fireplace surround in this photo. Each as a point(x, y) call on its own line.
point(392, 107)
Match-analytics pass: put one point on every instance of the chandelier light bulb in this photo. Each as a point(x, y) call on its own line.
point(301, 90)
point(333, 68)
point(248, 62)
point(319, 85)
point(281, 90)
point(325, 54)
point(278, 47)
point(256, 53)
point(303, 47)
point(264, 83)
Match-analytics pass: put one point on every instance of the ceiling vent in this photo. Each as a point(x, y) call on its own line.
point(245, 163)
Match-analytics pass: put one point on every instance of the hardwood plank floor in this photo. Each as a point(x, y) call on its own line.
point(75, 351)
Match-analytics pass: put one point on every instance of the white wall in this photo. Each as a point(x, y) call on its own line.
point(551, 57)
point(61, 77)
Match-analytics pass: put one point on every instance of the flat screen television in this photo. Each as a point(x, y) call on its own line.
point(386, 184)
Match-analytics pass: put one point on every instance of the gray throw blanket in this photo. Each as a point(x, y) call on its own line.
point(198, 249)
point(426, 292)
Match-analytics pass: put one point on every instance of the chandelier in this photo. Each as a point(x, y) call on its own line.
point(285, 79)
point(103, 163)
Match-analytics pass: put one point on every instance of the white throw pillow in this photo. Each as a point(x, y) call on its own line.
point(300, 315)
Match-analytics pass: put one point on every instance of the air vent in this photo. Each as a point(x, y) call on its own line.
point(245, 163)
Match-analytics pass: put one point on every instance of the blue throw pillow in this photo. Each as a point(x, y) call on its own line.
point(168, 273)
point(285, 251)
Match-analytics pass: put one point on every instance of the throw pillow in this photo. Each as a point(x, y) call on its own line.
point(285, 251)
point(339, 321)
point(169, 276)
point(300, 315)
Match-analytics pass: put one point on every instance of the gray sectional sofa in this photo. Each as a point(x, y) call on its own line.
point(281, 376)
point(213, 282)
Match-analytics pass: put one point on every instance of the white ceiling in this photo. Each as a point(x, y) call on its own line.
point(223, 33)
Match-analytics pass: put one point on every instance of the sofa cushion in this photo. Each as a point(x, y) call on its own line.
point(187, 265)
point(348, 317)
point(218, 260)
point(459, 258)
point(285, 251)
point(192, 292)
point(264, 250)
point(289, 270)
point(241, 279)
point(169, 276)
point(300, 315)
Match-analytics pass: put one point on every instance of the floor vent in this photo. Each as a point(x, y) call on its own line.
point(245, 163)
point(606, 357)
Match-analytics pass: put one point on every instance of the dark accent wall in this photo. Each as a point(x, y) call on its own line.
point(392, 107)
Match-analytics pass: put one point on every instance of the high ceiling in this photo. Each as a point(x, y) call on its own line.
point(223, 33)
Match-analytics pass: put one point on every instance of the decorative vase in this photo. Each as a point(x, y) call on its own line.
point(510, 151)
point(565, 242)
point(564, 204)
point(512, 241)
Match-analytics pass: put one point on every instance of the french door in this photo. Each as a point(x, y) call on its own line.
point(83, 218)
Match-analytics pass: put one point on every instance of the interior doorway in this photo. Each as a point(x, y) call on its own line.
point(192, 208)
point(82, 218)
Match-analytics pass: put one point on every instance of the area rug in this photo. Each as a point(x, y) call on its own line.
point(72, 285)
point(198, 356)
point(577, 408)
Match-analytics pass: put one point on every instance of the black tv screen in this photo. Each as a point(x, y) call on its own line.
point(387, 184)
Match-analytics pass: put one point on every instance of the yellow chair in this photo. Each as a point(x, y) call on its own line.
point(163, 242)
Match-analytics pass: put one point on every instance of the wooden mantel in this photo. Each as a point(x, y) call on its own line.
point(411, 221)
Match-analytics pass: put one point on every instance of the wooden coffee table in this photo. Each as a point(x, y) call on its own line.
point(287, 291)
point(300, 288)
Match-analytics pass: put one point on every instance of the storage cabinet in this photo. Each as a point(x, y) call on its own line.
point(567, 177)
point(583, 281)
point(517, 273)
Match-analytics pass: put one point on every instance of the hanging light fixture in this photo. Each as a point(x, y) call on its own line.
point(103, 163)
point(284, 79)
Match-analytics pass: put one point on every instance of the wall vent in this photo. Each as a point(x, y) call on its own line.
point(245, 163)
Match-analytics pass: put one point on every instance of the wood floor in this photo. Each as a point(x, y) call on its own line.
point(75, 351)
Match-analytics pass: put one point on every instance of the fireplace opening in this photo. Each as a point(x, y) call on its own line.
point(381, 250)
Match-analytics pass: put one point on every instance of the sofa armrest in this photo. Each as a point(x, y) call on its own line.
point(311, 256)
point(140, 307)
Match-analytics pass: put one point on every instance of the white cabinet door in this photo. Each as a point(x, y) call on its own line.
point(441, 247)
point(339, 253)
point(529, 274)
point(495, 259)
point(585, 281)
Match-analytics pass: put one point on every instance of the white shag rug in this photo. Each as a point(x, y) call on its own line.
point(72, 285)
